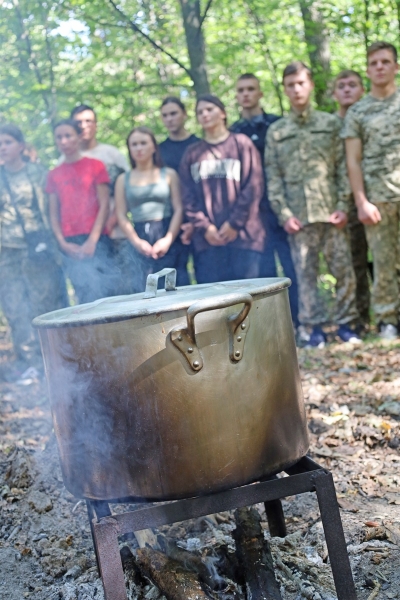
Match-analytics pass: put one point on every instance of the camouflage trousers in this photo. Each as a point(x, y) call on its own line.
point(359, 254)
point(306, 246)
point(28, 289)
point(383, 240)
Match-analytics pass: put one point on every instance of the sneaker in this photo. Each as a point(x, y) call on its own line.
point(302, 336)
point(317, 338)
point(387, 331)
point(348, 335)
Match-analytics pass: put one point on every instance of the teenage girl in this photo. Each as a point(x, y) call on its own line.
point(151, 194)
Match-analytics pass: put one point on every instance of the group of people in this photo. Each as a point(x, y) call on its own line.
point(234, 201)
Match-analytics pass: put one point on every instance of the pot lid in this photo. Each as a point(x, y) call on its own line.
point(153, 300)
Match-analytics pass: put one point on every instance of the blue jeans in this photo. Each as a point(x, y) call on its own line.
point(277, 242)
point(92, 278)
point(226, 263)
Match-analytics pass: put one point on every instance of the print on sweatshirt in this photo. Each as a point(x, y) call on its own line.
point(224, 168)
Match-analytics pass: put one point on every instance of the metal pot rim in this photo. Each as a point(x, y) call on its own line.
point(119, 308)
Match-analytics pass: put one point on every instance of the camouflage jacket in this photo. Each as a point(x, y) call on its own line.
point(377, 124)
point(306, 169)
point(34, 214)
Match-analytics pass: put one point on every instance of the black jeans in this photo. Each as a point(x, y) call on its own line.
point(142, 266)
point(226, 263)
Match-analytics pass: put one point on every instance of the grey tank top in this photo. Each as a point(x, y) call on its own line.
point(150, 202)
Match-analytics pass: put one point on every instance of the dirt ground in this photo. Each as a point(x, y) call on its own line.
point(352, 399)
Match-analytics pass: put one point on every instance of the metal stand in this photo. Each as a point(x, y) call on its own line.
point(304, 476)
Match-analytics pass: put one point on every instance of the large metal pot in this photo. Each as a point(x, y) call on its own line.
point(177, 392)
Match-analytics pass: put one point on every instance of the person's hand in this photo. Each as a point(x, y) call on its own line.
point(111, 222)
point(213, 237)
point(72, 250)
point(338, 219)
point(187, 232)
point(368, 213)
point(162, 246)
point(88, 248)
point(144, 248)
point(292, 225)
point(228, 233)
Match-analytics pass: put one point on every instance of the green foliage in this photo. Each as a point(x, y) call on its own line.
point(55, 54)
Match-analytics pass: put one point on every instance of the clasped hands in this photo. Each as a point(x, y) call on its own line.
point(337, 218)
point(222, 236)
point(158, 250)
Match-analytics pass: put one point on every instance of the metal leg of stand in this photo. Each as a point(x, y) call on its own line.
point(96, 509)
point(106, 532)
point(334, 536)
point(275, 518)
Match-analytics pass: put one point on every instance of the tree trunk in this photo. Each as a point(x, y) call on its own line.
point(318, 48)
point(195, 44)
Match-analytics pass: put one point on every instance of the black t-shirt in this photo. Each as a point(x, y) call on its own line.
point(172, 151)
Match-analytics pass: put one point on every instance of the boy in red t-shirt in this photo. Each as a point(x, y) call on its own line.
point(79, 203)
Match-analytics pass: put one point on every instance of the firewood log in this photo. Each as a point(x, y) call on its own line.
point(255, 556)
point(172, 579)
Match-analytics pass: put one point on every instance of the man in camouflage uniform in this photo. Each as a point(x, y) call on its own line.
point(347, 90)
point(308, 190)
point(372, 133)
point(28, 287)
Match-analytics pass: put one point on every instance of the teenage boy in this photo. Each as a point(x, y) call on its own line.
point(115, 163)
point(372, 134)
point(347, 90)
point(308, 190)
point(254, 123)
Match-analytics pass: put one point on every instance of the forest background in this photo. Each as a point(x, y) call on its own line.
point(124, 56)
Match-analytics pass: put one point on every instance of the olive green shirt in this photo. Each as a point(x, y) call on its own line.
point(34, 214)
point(306, 167)
point(377, 124)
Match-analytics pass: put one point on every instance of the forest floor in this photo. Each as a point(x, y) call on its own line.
point(352, 399)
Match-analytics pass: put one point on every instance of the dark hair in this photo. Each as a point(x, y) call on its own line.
point(71, 123)
point(296, 67)
point(248, 76)
point(381, 46)
point(345, 74)
point(212, 100)
point(81, 108)
point(13, 131)
point(157, 160)
point(173, 100)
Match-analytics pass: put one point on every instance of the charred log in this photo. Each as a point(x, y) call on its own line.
point(172, 579)
point(255, 556)
point(209, 577)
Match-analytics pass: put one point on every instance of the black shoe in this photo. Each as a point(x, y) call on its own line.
point(346, 334)
point(317, 338)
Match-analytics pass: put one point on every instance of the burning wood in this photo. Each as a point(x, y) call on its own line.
point(169, 575)
point(255, 556)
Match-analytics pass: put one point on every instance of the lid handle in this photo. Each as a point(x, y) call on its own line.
point(152, 282)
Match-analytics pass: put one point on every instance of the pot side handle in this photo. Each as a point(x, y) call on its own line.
point(185, 338)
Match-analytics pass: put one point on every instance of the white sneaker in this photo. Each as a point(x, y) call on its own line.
point(387, 331)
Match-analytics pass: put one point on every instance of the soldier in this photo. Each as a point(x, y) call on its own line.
point(254, 123)
point(347, 90)
point(308, 190)
point(31, 281)
point(372, 134)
